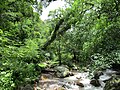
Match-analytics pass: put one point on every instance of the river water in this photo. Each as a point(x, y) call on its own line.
point(69, 82)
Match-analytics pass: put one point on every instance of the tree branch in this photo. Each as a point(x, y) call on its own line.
point(60, 31)
point(54, 34)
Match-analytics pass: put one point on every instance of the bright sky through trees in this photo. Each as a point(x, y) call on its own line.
point(53, 5)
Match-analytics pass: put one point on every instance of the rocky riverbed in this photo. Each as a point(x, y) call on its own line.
point(76, 81)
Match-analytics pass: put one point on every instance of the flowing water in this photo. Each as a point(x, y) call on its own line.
point(69, 82)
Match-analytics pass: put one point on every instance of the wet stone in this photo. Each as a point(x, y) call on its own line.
point(79, 84)
point(95, 82)
point(97, 74)
point(62, 71)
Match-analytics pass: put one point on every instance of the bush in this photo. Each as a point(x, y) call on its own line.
point(103, 61)
point(17, 65)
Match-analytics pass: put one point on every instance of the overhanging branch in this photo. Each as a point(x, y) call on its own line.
point(54, 34)
point(61, 30)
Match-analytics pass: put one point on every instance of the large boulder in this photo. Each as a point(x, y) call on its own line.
point(113, 83)
point(62, 71)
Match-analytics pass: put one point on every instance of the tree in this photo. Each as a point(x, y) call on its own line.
point(21, 34)
point(65, 22)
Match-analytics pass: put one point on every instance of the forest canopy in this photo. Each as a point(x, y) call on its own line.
point(86, 33)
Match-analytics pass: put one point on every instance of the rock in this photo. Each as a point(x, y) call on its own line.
point(27, 87)
point(113, 83)
point(71, 74)
point(75, 67)
point(62, 71)
point(97, 74)
point(79, 83)
point(110, 72)
point(46, 76)
point(105, 80)
point(48, 70)
point(95, 82)
point(55, 87)
point(85, 69)
point(60, 88)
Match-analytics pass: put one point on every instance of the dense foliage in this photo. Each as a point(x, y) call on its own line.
point(87, 33)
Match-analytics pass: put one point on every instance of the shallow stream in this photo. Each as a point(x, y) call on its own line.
point(68, 83)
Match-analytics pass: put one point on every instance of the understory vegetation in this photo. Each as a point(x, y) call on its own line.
point(86, 34)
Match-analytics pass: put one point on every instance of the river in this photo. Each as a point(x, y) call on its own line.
point(69, 83)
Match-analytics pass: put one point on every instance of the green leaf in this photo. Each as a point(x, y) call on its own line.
point(42, 65)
